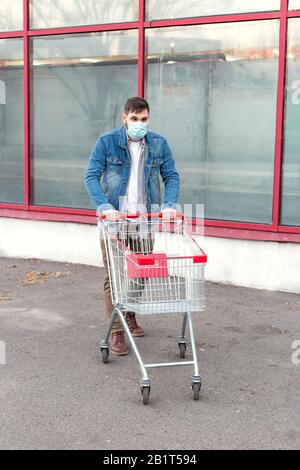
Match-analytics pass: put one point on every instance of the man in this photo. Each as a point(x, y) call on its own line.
point(130, 160)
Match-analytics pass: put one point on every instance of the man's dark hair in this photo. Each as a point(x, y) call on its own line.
point(136, 105)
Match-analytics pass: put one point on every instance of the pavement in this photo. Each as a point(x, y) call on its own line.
point(56, 393)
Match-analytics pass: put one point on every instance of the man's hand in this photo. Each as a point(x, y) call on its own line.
point(170, 214)
point(111, 215)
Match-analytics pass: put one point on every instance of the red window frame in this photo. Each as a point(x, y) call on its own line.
point(228, 229)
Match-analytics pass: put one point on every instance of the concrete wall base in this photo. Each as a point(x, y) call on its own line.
point(263, 265)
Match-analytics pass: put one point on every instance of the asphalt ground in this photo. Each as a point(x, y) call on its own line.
point(56, 393)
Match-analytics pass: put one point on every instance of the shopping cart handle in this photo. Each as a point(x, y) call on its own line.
point(155, 215)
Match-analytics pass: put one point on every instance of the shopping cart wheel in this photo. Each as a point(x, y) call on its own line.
point(196, 387)
point(105, 355)
point(182, 349)
point(145, 391)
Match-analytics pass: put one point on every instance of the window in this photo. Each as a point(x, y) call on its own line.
point(290, 213)
point(79, 85)
point(11, 15)
point(294, 4)
point(58, 13)
point(11, 121)
point(157, 9)
point(212, 90)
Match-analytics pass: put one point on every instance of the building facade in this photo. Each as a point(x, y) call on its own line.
point(223, 82)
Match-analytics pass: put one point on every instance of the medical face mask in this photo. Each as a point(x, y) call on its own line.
point(137, 130)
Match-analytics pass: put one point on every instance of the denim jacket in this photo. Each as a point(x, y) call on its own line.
point(110, 159)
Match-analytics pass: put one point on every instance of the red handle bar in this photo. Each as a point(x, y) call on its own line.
point(136, 216)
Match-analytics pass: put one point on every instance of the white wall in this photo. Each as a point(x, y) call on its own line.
point(266, 265)
point(56, 241)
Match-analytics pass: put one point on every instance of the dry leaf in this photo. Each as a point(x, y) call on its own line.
point(61, 274)
point(35, 277)
point(5, 297)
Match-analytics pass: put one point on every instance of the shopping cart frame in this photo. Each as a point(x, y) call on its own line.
point(119, 310)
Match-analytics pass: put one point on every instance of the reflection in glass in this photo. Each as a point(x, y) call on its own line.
point(290, 209)
point(11, 15)
point(11, 121)
point(58, 13)
point(212, 91)
point(79, 86)
point(294, 4)
point(171, 9)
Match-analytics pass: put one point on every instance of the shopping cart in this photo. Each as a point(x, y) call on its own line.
point(155, 267)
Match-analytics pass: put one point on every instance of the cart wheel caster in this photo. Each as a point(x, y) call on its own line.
point(145, 391)
point(105, 355)
point(182, 349)
point(196, 387)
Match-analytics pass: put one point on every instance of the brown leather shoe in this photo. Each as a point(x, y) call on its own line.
point(135, 329)
point(117, 344)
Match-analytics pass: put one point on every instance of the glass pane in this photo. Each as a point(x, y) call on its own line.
point(156, 9)
point(11, 15)
point(212, 90)
point(11, 121)
point(294, 4)
point(291, 164)
point(79, 86)
point(58, 13)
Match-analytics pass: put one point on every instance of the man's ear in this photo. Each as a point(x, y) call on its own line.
point(123, 116)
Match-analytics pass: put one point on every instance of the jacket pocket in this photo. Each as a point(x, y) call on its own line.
point(156, 162)
point(112, 160)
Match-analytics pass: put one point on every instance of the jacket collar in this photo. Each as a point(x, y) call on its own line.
point(123, 137)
